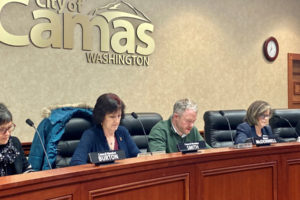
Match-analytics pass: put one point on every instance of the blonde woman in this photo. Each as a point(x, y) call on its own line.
point(256, 123)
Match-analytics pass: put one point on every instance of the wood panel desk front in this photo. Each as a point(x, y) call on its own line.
point(215, 174)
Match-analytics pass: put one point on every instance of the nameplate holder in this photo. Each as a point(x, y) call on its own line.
point(191, 147)
point(243, 145)
point(99, 158)
point(264, 142)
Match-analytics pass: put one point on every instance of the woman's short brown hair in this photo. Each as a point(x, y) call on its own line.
point(256, 109)
point(107, 103)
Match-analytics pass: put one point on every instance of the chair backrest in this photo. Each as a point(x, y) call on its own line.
point(70, 139)
point(135, 129)
point(216, 129)
point(281, 127)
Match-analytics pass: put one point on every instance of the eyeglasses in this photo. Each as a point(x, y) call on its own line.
point(9, 129)
point(263, 116)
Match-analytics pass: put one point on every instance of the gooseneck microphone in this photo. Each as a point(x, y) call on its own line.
point(285, 119)
point(135, 116)
point(30, 123)
point(228, 123)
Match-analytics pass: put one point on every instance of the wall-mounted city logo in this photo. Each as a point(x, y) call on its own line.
point(131, 45)
point(124, 32)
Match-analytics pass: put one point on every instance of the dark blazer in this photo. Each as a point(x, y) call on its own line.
point(20, 164)
point(245, 131)
point(94, 140)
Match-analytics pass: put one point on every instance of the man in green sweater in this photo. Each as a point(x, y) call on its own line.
point(179, 128)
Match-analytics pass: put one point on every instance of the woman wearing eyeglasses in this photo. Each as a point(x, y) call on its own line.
point(12, 158)
point(256, 122)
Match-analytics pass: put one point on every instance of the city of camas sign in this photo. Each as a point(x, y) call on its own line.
point(124, 31)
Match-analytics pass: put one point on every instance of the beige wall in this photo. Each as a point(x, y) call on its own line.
point(209, 51)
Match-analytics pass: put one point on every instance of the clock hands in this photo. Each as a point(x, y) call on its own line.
point(272, 50)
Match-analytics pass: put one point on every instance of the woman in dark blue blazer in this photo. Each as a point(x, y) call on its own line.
point(106, 135)
point(256, 122)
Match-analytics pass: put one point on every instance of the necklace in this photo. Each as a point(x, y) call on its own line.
point(111, 143)
point(110, 138)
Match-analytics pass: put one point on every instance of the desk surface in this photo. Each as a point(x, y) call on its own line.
point(273, 172)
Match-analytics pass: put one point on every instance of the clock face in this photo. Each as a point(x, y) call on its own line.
point(271, 49)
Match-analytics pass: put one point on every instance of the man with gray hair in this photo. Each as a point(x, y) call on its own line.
point(179, 128)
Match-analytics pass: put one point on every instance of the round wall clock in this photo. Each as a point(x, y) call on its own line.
point(271, 49)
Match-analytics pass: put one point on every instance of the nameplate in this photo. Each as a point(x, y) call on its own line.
point(106, 157)
point(264, 142)
point(243, 145)
point(191, 147)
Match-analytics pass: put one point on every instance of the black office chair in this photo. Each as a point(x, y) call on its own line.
point(70, 139)
point(216, 129)
point(135, 129)
point(280, 123)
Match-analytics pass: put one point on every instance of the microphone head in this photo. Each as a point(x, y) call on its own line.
point(277, 116)
point(222, 112)
point(134, 115)
point(29, 122)
point(281, 118)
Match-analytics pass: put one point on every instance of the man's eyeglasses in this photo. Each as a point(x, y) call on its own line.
point(10, 129)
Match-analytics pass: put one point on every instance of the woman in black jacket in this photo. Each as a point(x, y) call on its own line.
point(12, 157)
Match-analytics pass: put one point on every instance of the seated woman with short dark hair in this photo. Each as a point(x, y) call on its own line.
point(12, 157)
point(106, 134)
